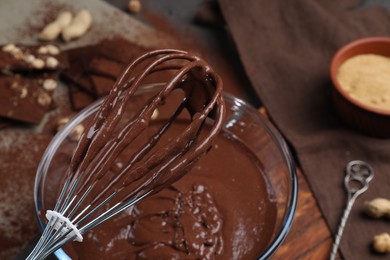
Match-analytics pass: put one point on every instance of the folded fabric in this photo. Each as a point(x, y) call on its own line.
point(286, 48)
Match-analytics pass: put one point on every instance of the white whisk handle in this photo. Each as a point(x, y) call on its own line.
point(63, 225)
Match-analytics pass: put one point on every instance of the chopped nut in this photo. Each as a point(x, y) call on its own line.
point(49, 84)
point(9, 47)
point(51, 62)
point(29, 58)
point(377, 208)
point(134, 6)
point(381, 243)
point(52, 49)
point(38, 64)
point(43, 50)
point(76, 133)
point(23, 93)
point(44, 99)
point(17, 53)
point(61, 123)
point(155, 114)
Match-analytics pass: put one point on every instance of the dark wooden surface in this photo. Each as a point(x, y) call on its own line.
point(309, 237)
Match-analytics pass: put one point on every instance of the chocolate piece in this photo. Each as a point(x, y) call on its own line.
point(82, 55)
point(120, 50)
point(102, 85)
point(95, 68)
point(24, 98)
point(77, 76)
point(17, 57)
point(79, 59)
point(106, 67)
point(79, 99)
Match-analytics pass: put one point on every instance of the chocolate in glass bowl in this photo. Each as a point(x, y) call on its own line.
point(238, 201)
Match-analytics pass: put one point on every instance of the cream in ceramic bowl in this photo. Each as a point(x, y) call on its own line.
point(359, 72)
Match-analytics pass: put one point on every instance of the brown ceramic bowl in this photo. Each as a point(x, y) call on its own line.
point(366, 119)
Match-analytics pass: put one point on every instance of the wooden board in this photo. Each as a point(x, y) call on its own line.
point(309, 237)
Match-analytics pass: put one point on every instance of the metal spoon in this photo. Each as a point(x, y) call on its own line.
point(358, 175)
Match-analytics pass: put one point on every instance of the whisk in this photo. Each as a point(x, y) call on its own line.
point(83, 202)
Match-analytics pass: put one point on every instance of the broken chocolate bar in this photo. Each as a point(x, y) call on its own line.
point(106, 67)
point(26, 98)
point(79, 99)
point(102, 85)
point(17, 57)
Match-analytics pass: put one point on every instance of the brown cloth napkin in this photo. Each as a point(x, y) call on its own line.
point(286, 48)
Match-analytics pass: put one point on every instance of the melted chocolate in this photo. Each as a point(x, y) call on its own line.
point(220, 210)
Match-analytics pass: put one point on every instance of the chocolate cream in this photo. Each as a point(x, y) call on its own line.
point(221, 209)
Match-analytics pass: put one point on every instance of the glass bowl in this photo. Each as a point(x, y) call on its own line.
point(242, 121)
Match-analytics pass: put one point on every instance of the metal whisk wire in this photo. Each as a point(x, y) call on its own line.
point(82, 204)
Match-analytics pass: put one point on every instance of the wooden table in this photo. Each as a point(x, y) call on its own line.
point(309, 237)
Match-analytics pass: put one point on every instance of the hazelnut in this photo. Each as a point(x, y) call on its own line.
point(51, 62)
point(52, 49)
point(155, 114)
point(38, 64)
point(44, 99)
point(8, 47)
point(377, 208)
point(43, 50)
point(134, 6)
point(29, 58)
point(76, 133)
point(49, 84)
point(61, 123)
point(381, 243)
